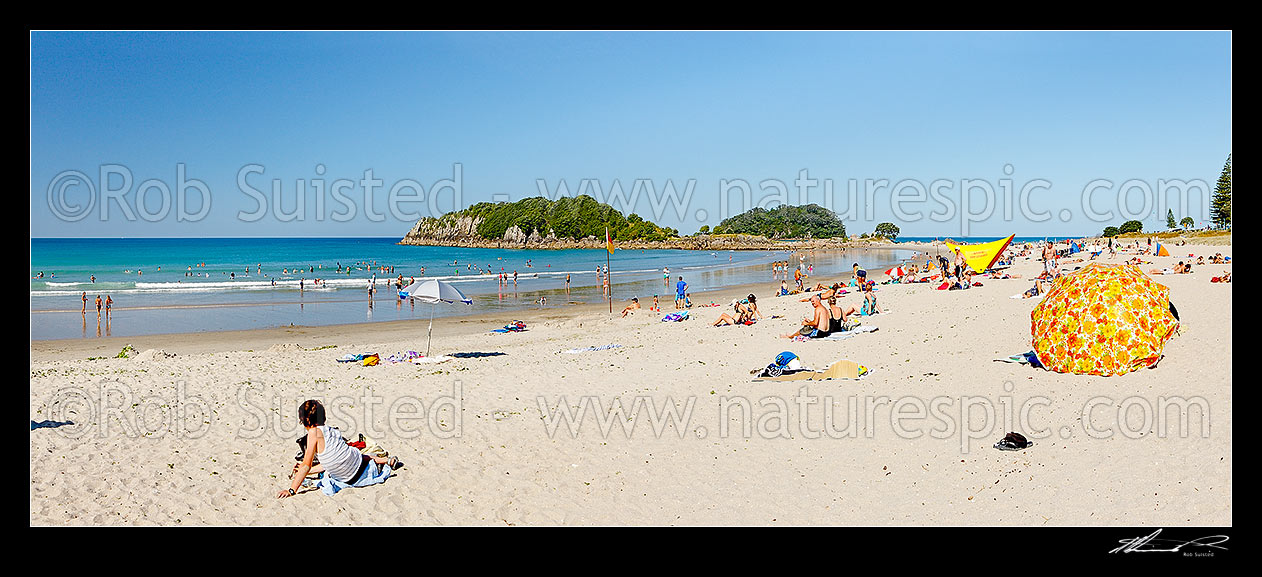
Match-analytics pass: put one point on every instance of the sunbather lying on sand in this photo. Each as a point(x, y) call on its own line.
point(1177, 269)
point(1225, 278)
point(1035, 290)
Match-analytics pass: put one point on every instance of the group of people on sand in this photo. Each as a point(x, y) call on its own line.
point(827, 316)
point(825, 319)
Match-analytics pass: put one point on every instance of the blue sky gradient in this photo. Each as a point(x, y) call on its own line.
point(514, 110)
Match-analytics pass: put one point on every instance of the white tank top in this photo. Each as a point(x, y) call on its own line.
point(339, 459)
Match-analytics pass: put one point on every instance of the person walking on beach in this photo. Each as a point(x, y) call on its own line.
point(98, 307)
point(85, 304)
point(681, 291)
point(109, 304)
point(567, 284)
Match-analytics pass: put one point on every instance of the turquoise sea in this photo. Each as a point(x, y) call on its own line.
point(177, 285)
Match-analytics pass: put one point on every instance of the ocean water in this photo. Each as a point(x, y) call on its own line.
point(177, 285)
point(977, 239)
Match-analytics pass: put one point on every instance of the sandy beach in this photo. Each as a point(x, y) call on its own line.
point(197, 429)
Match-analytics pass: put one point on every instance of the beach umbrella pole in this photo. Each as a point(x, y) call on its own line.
point(430, 334)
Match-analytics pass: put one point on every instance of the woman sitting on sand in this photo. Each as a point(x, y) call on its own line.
point(744, 310)
point(338, 460)
point(726, 319)
point(751, 305)
point(635, 305)
point(838, 315)
point(869, 300)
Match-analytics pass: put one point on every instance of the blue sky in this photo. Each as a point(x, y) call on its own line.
point(503, 115)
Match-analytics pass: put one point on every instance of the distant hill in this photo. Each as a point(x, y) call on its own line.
point(785, 221)
point(535, 221)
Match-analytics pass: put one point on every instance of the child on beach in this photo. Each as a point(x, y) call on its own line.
point(342, 465)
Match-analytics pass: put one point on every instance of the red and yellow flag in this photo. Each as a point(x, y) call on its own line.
point(608, 241)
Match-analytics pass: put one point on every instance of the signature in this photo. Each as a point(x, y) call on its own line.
point(1151, 544)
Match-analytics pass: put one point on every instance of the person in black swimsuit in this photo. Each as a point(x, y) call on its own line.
point(836, 316)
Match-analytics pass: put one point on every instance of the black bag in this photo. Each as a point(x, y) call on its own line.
point(302, 451)
point(1013, 442)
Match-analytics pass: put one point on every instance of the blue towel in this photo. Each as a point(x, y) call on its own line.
point(372, 476)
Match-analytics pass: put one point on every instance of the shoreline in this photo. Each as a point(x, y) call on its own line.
point(525, 312)
point(318, 335)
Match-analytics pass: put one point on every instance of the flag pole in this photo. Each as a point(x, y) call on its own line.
point(608, 275)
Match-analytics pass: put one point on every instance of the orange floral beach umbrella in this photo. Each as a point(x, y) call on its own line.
point(1102, 320)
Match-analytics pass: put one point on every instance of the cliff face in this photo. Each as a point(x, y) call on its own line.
point(450, 230)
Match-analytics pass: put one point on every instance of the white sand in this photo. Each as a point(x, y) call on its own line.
point(225, 467)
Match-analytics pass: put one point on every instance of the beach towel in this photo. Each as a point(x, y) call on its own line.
point(843, 335)
point(371, 360)
point(403, 357)
point(1028, 358)
point(373, 474)
point(431, 360)
point(590, 349)
point(675, 317)
point(839, 370)
point(354, 358)
point(513, 327)
point(476, 355)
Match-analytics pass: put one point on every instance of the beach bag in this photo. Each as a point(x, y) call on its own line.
point(784, 362)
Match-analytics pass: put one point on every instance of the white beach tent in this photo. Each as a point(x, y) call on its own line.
point(434, 292)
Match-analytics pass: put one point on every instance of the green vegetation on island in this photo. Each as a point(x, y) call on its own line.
point(785, 221)
point(565, 218)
